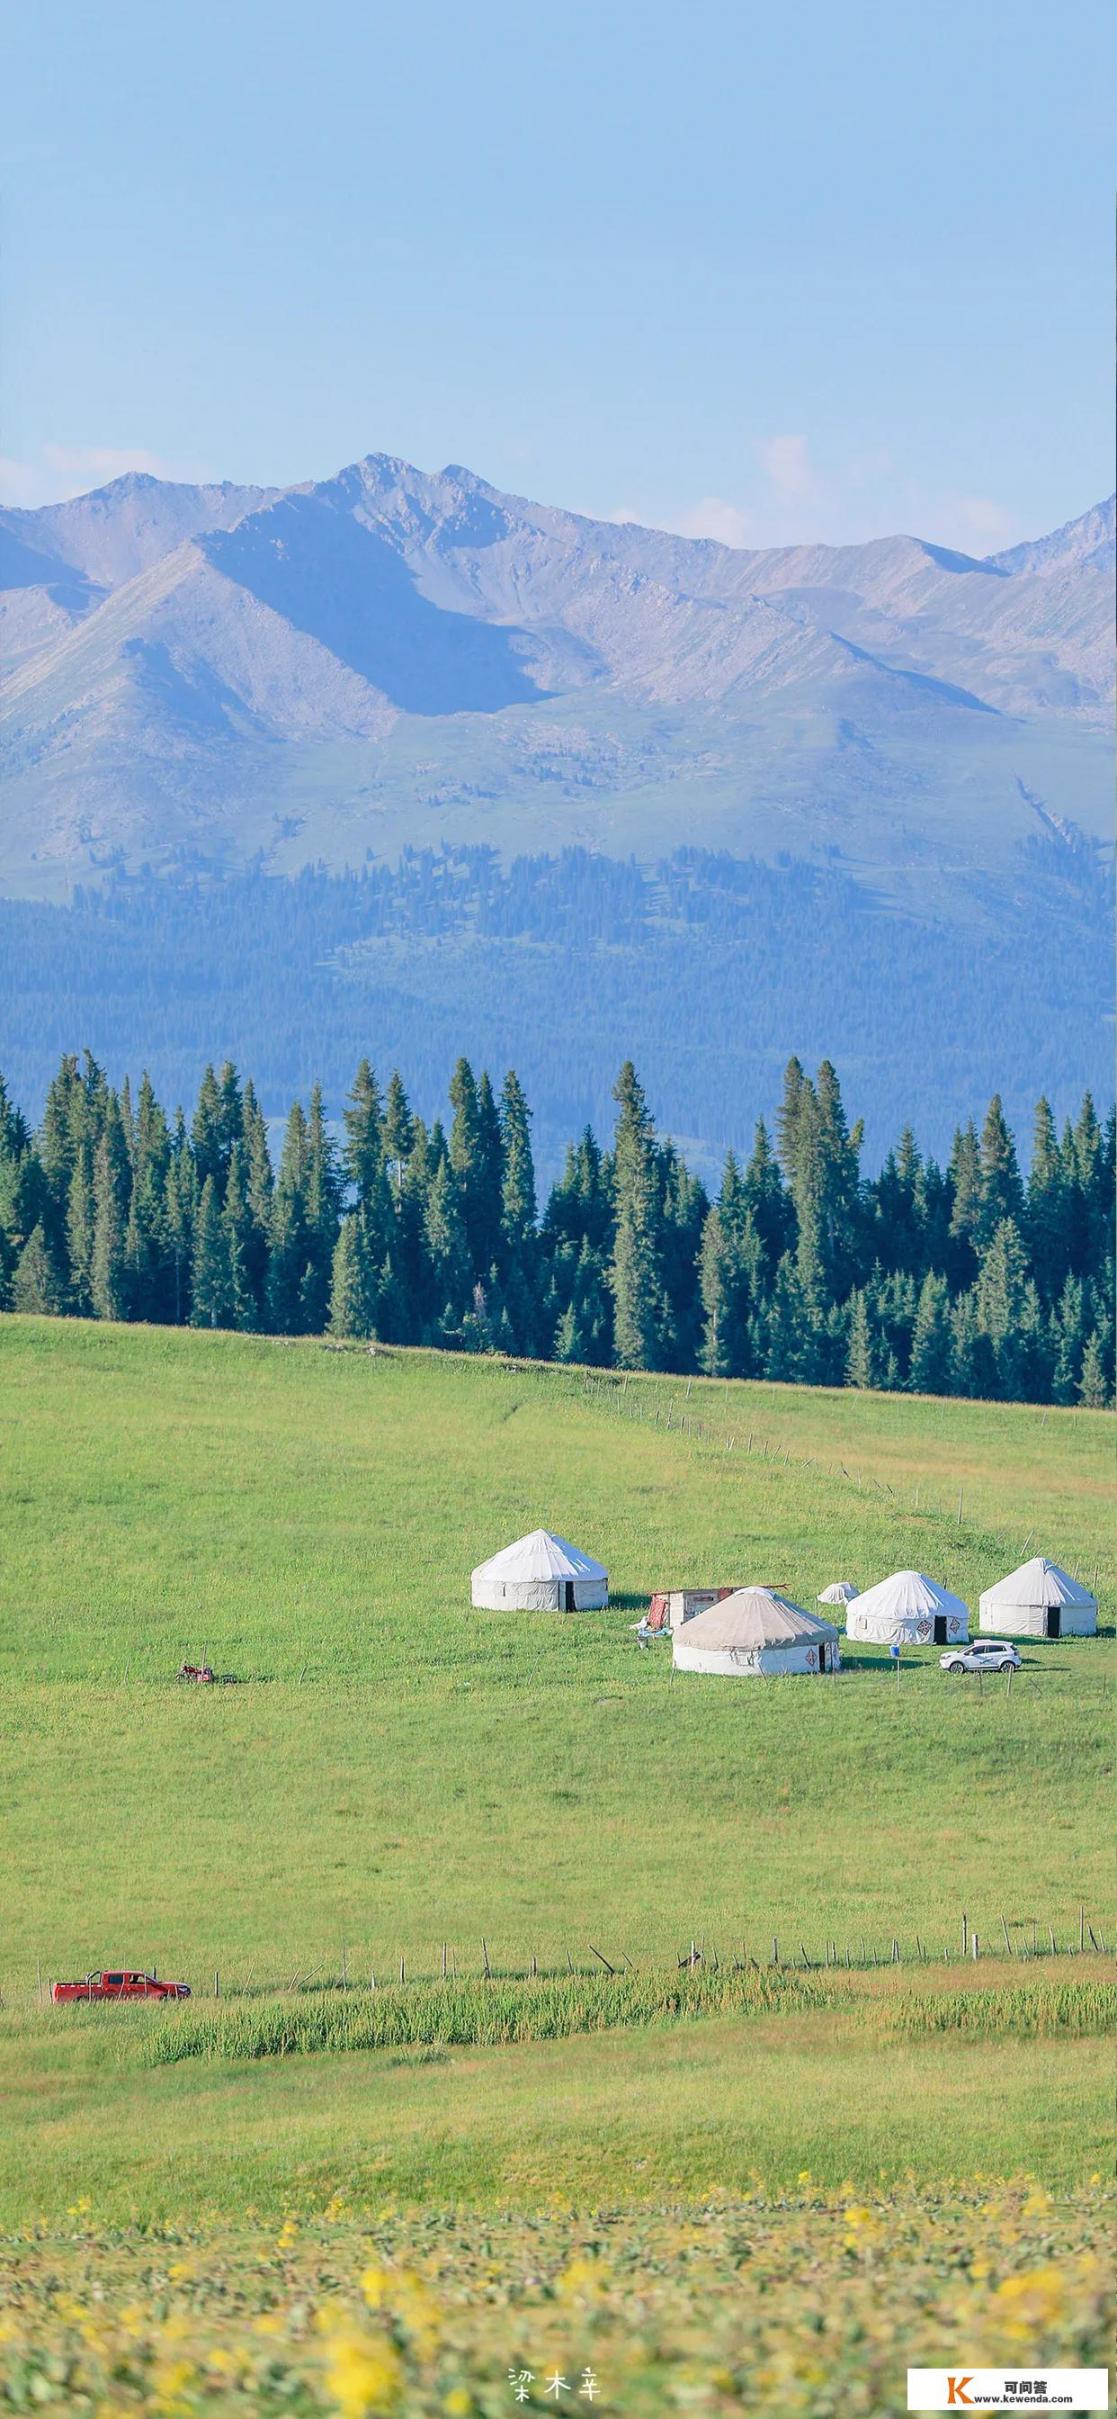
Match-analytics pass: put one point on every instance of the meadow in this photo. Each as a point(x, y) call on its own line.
point(394, 1775)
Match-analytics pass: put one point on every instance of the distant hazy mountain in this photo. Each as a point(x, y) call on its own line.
point(217, 674)
point(868, 788)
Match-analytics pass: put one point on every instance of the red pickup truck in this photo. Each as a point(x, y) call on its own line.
point(124, 1983)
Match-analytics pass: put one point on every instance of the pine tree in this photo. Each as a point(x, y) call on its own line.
point(322, 1198)
point(787, 1337)
point(1000, 1302)
point(363, 1155)
point(930, 1371)
point(1068, 1341)
point(788, 1116)
point(964, 1178)
point(1002, 1194)
point(585, 1328)
point(682, 1214)
point(731, 1263)
point(1093, 1392)
point(242, 1300)
point(768, 1202)
point(259, 1188)
point(290, 1242)
point(79, 1231)
point(475, 1160)
point(207, 1134)
point(399, 1132)
point(180, 1202)
point(520, 1243)
point(209, 1276)
point(518, 1202)
point(36, 1284)
point(1046, 1219)
point(860, 1357)
point(352, 1285)
point(448, 1249)
point(108, 1278)
point(635, 1274)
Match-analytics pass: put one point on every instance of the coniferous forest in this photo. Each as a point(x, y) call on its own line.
point(967, 1279)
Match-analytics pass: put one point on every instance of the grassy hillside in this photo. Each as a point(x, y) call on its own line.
point(396, 1771)
point(690, 2189)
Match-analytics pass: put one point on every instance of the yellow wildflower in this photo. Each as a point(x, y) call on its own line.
point(1030, 2302)
point(364, 2373)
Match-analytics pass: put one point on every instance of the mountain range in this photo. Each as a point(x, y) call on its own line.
point(866, 789)
point(219, 674)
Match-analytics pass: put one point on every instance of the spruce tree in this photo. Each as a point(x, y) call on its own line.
point(398, 1131)
point(860, 1367)
point(363, 1154)
point(243, 1302)
point(79, 1231)
point(787, 1337)
point(635, 1273)
point(322, 1208)
point(290, 1252)
point(36, 1284)
point(964, 1177)
point(209, 1275)
point(1093, 1392)
point(108, 1278)
point(351, 1282)
point(448, 1250)
point(1046, 1217)
point(180, 1201)
point(930, 1371)
point(1001, 1192)
point(768, 1202)
point(999, 1305)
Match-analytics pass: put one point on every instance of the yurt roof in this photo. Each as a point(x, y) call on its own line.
point(754, 1617)
point(908, 1594)
point(1038, 1582)
point(540, 1555)
point(840, 1591)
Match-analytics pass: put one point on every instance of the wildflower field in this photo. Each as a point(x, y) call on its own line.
point(812, 2303)
point(552, 2017)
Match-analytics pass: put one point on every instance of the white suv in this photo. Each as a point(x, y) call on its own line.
point(986, 1654)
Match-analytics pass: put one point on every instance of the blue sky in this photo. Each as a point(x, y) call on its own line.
point(748, 272)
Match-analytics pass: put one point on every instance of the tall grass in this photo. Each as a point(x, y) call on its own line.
point(1041, 2008)
point(477, 2014)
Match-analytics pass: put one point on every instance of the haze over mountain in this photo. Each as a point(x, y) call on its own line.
point(223, 683)
point(389, 656)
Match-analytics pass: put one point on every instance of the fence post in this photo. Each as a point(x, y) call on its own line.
point(216, 1983)
point(485, 1955)
point(1008, 1943)
point(974, 1947)
point(965, 1932)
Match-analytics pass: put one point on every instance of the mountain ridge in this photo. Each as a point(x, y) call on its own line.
point(334, 668)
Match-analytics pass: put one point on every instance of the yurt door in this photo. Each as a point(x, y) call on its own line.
point(568, 1595)
point(1054, 1620)
point(824, 1658)
point(940, 1629)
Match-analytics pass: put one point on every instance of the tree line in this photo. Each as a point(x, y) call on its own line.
point(964, 1279)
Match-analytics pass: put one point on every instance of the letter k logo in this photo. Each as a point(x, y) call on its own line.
point(956, 2392)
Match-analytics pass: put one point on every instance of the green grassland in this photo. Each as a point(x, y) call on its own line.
point(395, 1771)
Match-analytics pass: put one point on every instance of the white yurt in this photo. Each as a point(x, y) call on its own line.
point(541, 1573)
point(756, 1632)
point(840, 1591)
point(909, 1610)
point(1039, 1601)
